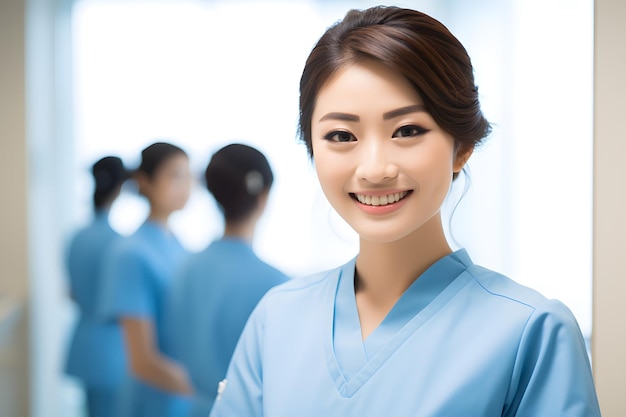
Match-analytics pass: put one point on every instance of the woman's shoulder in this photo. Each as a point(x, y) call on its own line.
point(128, 247)
point(497, 286)
point(308, 282)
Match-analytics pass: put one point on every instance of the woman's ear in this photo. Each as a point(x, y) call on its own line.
point(461, 158)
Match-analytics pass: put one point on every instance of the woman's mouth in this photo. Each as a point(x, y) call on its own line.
point(379, 200)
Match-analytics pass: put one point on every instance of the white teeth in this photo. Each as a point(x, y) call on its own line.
point(382, 200)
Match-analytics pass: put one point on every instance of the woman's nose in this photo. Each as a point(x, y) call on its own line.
point(376, 163)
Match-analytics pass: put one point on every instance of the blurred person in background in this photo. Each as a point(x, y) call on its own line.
point(217, 289)
point(139, 275)
point(96, 352)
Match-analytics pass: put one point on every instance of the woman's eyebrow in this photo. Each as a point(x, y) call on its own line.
point(386, 116)
point(340, 116)
point(404, 110)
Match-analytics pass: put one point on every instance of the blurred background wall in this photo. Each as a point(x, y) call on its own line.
point(609, 220)
point(14, 276)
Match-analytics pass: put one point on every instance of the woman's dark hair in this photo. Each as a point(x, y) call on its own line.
point(154, 155)
point(109, 174)
point(236, 175)
point(415, 45)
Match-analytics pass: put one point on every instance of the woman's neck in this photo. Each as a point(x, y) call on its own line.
point(243, 230)
point(160, 217)
point(386, 270)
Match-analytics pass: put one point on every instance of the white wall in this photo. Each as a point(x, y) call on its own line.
point(31, 168)
point(609, 271)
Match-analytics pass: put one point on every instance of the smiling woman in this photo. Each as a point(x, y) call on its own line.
point(393, 147)
point(451, 337)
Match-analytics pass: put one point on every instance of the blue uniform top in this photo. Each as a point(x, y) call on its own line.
point(461, 341)
point(140, 271)
point(211, 300)
point(96, 351)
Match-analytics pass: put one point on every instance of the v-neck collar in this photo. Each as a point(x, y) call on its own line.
point(351, 360)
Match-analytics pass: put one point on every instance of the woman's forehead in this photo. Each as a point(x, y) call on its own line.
point(365, 85)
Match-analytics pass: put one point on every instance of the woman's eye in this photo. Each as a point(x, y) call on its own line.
point(409, 131)
point(340, 136)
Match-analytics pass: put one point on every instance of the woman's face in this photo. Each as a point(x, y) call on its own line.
point(169, 188)
point(382, 161)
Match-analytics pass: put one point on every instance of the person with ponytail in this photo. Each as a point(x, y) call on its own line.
point(96, 352)
point(216, 290)
point(139, 274)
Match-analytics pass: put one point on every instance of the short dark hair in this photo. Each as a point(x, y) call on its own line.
point(155, 155)
point(236, 175)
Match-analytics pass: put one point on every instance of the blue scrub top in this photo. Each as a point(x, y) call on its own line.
point(461, 341)
point(140, 271)
point(211, 299)
point(96, 352)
